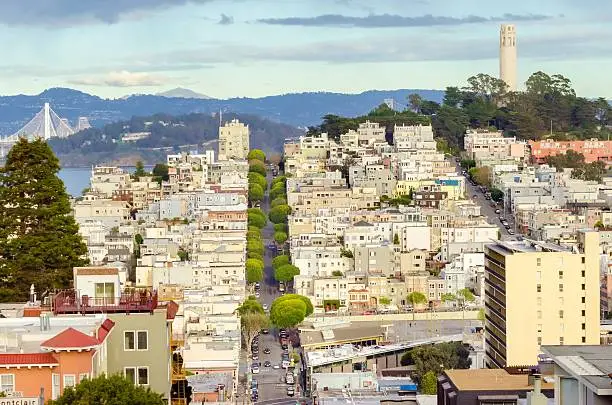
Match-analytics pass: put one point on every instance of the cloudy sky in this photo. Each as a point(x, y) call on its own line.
point(230, 48)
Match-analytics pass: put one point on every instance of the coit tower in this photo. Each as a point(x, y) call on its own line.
point(507, 55)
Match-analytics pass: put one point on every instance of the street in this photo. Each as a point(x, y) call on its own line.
point(271, 381)
point(486, 209)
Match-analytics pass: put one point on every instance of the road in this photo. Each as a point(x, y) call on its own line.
point(271, 382)
point(486, 209)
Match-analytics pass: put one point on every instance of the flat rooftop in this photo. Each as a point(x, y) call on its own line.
point(591, 363)
point(526, 246)
point(491, 380)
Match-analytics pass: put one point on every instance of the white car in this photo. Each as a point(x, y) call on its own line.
point(276, 366)
point(255, 369)
point(265, 307)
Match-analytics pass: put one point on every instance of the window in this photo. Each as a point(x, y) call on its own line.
point(561, 274)
point(69, 380)
point(143, 376)
point(83, 376)
point(55, 388)
point(561, 314)
point(583, 312)
point(583, 339)
point(561, 340)
point(105, 292)
point(7, 383)
point(539, 261)
point(130, 373)
point(139, 375)
point(136, 340)
point(583, 300)
point(583, 273)
point(539, 287)
point(583, 260)
point(560, 287)
point(539, 340)
point(539, 328)
point(583, 326)
point(583, 286)
point(129, 341)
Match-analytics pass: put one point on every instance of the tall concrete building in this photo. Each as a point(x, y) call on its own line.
point(233, 140)
point(507, 55)
point(538, 293)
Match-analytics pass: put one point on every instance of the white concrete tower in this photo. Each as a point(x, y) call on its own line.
point(507, 55)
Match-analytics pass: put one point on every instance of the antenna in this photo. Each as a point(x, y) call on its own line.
point(220, 117)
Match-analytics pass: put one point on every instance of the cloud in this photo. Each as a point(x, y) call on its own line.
point(76, 12)
point(226, 20)
point(122, 79)
point(393, 20)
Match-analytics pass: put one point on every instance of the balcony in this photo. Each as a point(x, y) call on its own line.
point(132, 300)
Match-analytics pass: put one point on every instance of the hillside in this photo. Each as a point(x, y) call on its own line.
point(168, 134)
point(301, 109)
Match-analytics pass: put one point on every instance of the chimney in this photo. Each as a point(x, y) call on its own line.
point(537, 383)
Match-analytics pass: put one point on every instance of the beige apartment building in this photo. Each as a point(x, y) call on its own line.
point(538, 293)
point(233, 140)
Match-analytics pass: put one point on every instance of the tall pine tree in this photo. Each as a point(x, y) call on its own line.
point(39, 239)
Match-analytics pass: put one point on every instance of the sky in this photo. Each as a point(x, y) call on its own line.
point(254, 48)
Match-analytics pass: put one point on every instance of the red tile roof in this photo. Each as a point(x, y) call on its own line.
point(70, 339)
point(16, 359)
point(105, 329)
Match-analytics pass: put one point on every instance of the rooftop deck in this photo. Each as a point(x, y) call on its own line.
point(132, 300)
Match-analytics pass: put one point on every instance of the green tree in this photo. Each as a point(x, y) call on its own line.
point(429, 383)
point(256, 193)
point(481, 314)
point(279, 180)
point(414, 102)
point(497, 194)
point(384, 301)
point(255, 246)
point(249, 306)
point(111, 390)
point(281, 227)
point(254, 235)
point(481, 175)
point(279, 214)
point(277, 192)
point(467, 164)
point(416, 298)
point(280, 237)
point(256, 178)
point(286, 272)
point(138, 239)
point(39, 239)
point(160, 172)
point(183, 255)
point(452, 97)
point(279, 261)
point(140, 171)
point(466, 295)
point(257, 218)
point(278, 201)
point(254, 270)
point(448, 297)
point(290, 310)
point(257, 166)
point(256, 154)
point(599, 225)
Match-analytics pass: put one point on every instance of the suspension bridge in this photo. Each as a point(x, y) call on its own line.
point(46, 125)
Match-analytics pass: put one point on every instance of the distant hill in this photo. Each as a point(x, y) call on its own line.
point(299, 109)
point(167, 134)
point(180, 92)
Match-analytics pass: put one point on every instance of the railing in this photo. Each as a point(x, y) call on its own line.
point(133, 300)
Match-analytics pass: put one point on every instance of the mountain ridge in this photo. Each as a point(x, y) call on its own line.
point(296, 109)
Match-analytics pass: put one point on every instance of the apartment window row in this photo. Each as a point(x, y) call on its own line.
point(136, 340)
point(138, 375)
point(7, 382)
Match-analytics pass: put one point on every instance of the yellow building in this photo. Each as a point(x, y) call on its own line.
point(233, 140)
point(539, 293)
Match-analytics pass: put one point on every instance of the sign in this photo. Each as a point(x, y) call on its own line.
point(20, 401)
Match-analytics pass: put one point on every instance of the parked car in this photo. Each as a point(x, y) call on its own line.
point(265, 331)
point(510, 232)
point(290, 391)
point(267, 363)
point(255, 369)
point(266, 351)
point(497, 211)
